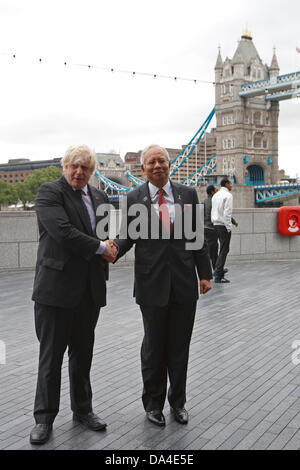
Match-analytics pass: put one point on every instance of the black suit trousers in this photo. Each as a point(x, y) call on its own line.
point(224, 238)
point(165, 352)
point(59, 328)
point(211, 237)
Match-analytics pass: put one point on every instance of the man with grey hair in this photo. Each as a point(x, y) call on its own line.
point(165, 284)
point(69, 289)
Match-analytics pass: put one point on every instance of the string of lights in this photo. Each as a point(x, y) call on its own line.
point(133, 73)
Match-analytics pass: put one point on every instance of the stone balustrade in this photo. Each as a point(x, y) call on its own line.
point(255, 238)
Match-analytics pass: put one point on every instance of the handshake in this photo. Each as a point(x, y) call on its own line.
point(111, 251)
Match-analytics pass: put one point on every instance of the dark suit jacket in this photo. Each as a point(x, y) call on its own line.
point(162, 264)
point(66, 260)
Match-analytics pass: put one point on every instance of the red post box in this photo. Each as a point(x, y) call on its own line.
point(289, 220)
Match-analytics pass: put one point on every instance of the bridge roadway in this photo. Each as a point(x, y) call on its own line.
point(243, 389)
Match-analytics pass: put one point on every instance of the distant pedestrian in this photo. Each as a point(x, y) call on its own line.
point(210, 234)
point(221, 217)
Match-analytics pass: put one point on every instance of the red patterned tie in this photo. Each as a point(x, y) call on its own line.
point(163, 210)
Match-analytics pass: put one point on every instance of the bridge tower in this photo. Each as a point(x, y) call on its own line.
point(247, 128)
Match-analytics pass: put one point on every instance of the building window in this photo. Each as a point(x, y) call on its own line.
point(228, 119)
point(257, 141)
point(228, 144)
point(257, 119)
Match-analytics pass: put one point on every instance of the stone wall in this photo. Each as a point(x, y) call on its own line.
point(255, 238)
point(18, 240)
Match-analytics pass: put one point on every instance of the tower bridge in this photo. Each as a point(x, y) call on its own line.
point(279, 88)
point(247, 96)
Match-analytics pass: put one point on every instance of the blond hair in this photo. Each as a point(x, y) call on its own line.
point(80, 154)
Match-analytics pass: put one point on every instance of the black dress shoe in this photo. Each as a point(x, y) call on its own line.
point(90, 420)
point(40, 434)
point(180, 415)
point(221, 280)
point(156, 417)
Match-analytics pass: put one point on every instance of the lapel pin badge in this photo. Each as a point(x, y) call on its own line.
point(145, 199)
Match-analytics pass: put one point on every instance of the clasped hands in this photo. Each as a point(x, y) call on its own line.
point(111, 251)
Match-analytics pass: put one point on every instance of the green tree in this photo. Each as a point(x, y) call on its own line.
point(38, 177)
point(24, 193)
point(8, 194)
point(27, 191)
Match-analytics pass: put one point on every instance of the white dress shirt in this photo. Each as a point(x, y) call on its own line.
point(221, 208)
point(168, 197)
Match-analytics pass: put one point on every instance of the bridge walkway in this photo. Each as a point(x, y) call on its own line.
point(243, 388)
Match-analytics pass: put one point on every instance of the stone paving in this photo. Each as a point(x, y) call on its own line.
point(243, 387)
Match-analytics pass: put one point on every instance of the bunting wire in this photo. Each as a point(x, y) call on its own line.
point(128, 72)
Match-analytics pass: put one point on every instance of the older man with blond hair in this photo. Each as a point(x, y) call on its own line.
point(69, 289)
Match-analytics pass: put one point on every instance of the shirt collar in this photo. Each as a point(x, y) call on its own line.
point(225, 189)
point(84, 189)
point(154, 189)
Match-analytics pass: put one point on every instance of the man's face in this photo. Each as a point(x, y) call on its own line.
point(156, 167)
point(214, 191)
point(77, 174)
point(229, 185)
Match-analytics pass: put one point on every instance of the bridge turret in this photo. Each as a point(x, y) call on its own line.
point(274, 68)
point(219, 66)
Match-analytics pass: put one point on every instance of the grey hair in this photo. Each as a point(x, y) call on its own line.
point(165, 151)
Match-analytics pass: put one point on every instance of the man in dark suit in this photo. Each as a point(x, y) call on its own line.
point(165, 284)
point(69, 289)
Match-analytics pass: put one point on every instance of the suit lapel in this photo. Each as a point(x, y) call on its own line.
point(144, 196)
point(75, 196)
point(177, 194)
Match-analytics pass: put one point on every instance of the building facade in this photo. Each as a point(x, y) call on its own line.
point(17, 170)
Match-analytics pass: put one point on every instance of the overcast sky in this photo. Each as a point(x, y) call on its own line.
point(47, 106)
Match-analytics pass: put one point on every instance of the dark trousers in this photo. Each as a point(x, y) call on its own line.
point(57, 328)
point(165, 352)
point(224, 239)
point(211, 237)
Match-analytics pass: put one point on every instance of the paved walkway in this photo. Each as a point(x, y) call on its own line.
point(243, 388)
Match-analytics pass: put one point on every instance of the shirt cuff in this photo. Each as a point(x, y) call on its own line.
point(101, 248)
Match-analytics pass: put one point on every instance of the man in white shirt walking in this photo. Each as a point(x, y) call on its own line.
point(221, 217)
